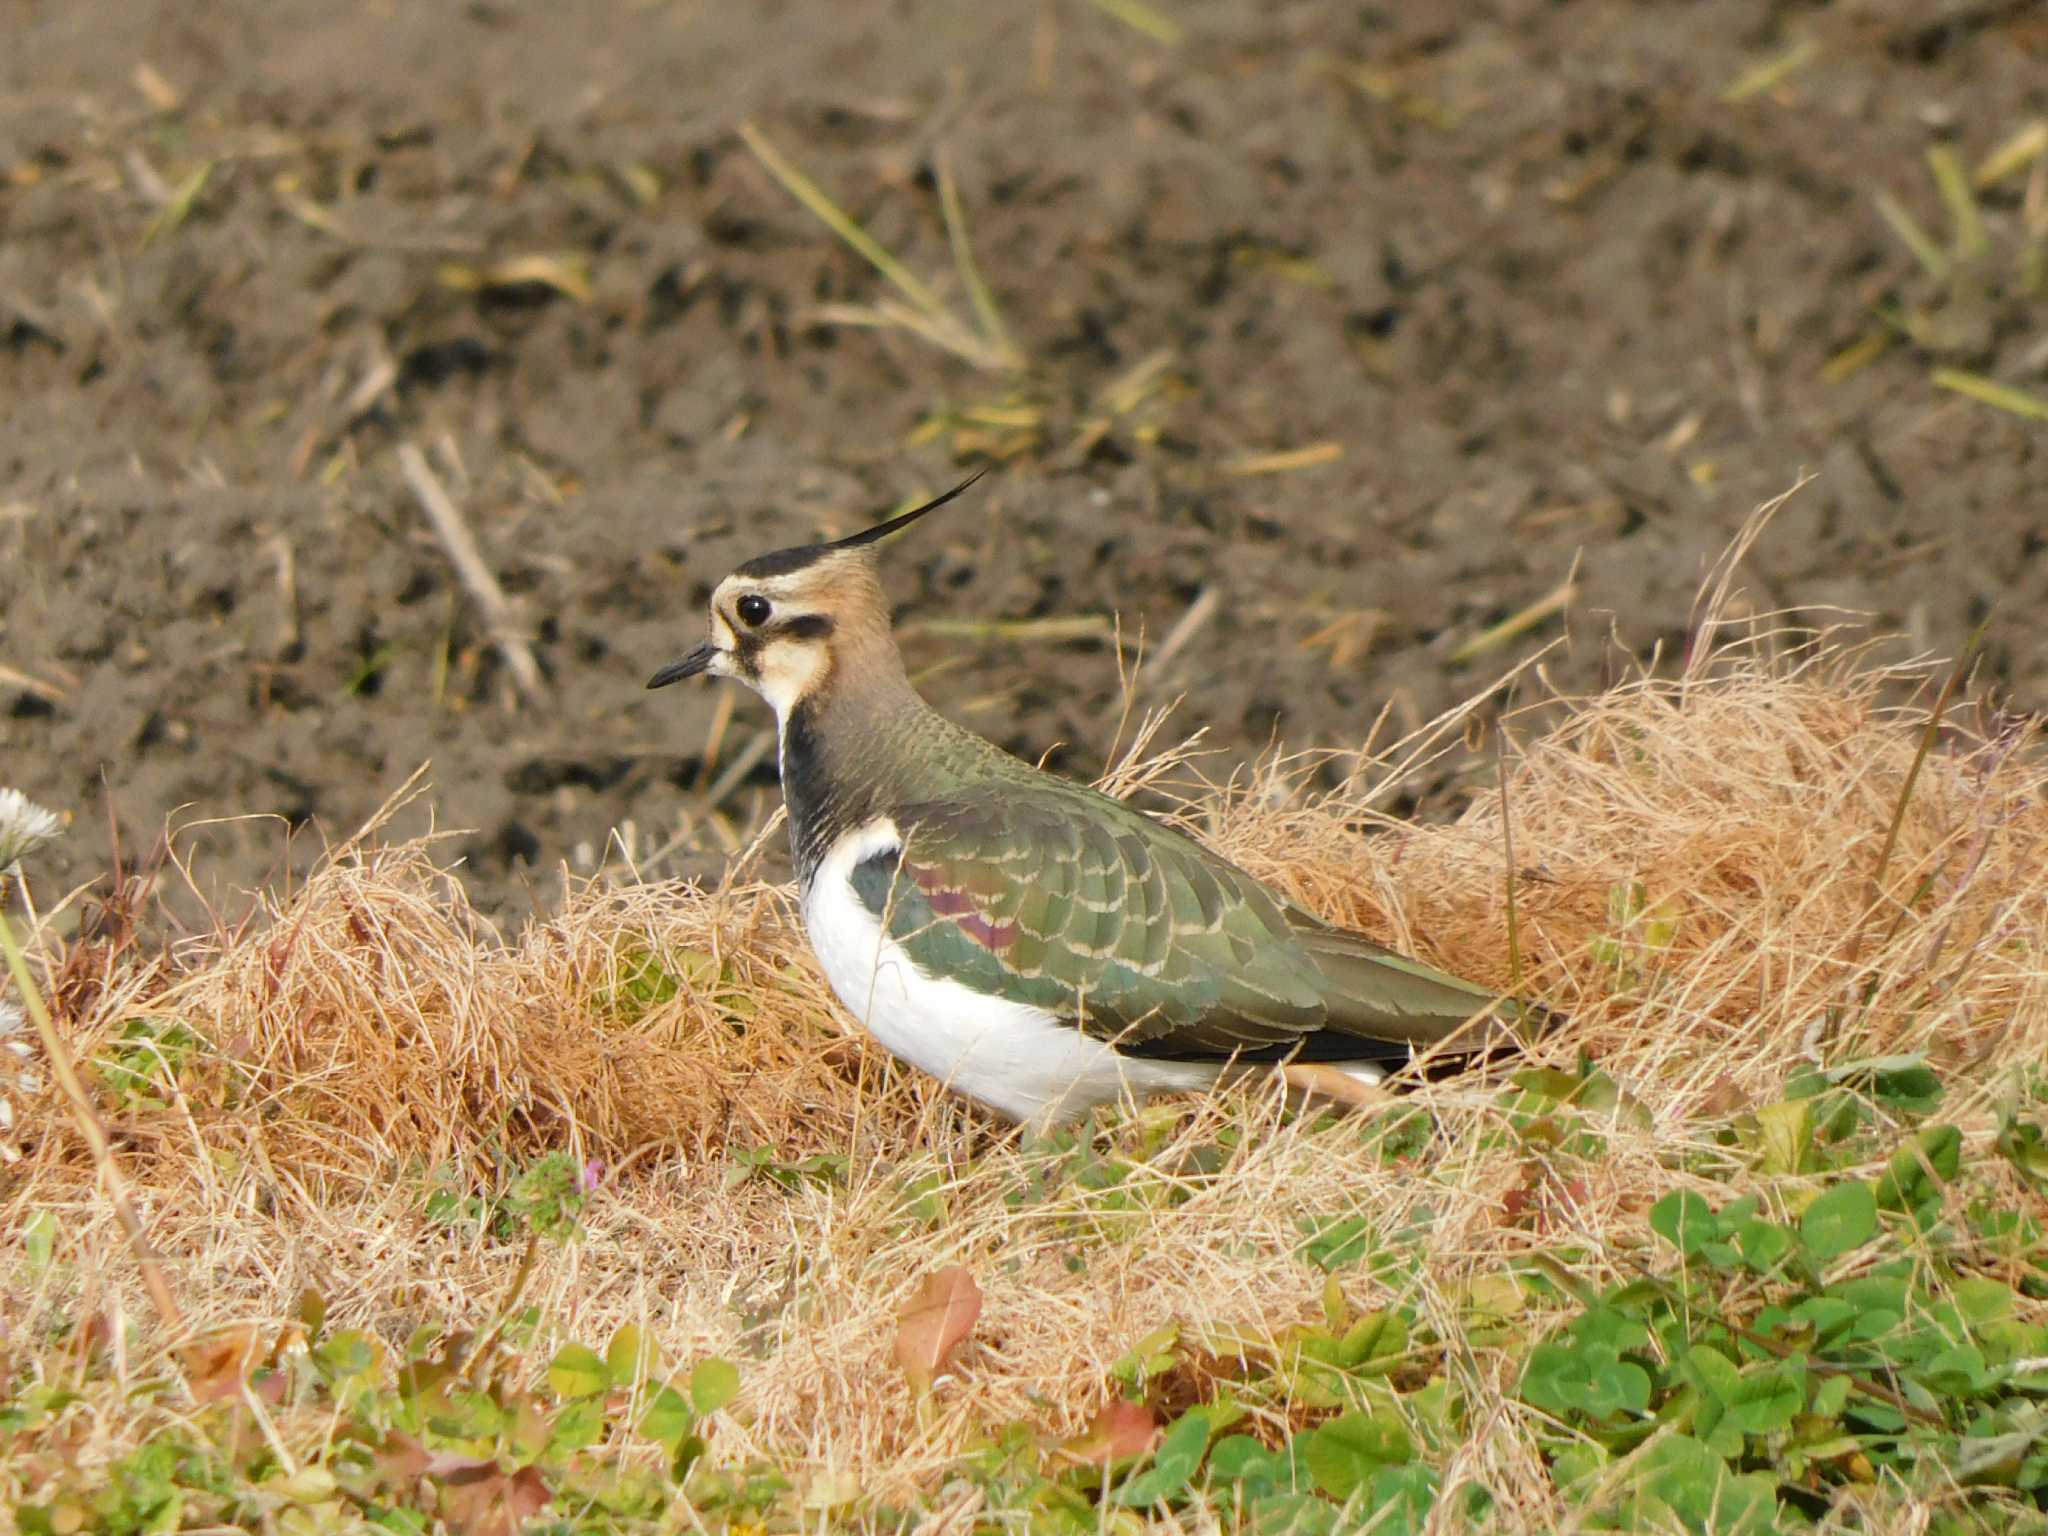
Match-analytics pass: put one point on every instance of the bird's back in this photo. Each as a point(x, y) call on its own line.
point(1045, 891)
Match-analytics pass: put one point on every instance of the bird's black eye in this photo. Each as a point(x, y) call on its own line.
point(754, 610)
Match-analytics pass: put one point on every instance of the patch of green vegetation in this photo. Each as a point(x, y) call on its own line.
point(1844, 1340)
point(1639, 937)
point(1855, 1342)
point(1104, 1190)
point(468, 1430)
point(645, 979)
point(140, 1067)
point(1863, 1329)
point(825, 1168)
point(543, 1201)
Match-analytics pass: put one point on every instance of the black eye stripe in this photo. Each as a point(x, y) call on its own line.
point(808, 626)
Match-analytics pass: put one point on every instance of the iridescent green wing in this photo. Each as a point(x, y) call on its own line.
point(1080, 905)
point(1067, 900)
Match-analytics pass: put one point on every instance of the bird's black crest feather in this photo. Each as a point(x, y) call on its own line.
point(786, 562)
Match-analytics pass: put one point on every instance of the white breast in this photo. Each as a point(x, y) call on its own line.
point(1018, 1060)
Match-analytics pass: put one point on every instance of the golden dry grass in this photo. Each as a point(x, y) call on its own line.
point(368, 1030)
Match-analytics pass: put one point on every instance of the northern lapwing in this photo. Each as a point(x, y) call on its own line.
point(1035, 944)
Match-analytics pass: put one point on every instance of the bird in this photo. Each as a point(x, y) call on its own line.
point(1040, 947)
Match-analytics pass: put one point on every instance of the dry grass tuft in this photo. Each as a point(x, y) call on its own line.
point(372, 1025)
point(1699, 889)
point(1699, 874)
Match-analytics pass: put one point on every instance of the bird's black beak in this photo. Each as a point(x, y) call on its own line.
point(696, 662)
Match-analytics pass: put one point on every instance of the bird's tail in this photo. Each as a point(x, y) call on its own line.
point(1378, 995)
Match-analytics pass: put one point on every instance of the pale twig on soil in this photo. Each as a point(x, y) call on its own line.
point(1141, 17)
point(2016, 154)
point(476, 576)
point(28, 684)
point(280, 548)
point(567, 273)
point(1953, 183)
point(1185, 628)
point(1119, 397)
point(1917, 240)
point(1771, 73)
point(978, 291)
point(1550, 604)
point(1284, 462)
point(926, 315)
point(736, 771)
point(2004, 397)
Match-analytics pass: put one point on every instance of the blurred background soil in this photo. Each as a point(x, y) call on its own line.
point(1348, 333)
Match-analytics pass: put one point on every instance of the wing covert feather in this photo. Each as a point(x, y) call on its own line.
point(1087, 907)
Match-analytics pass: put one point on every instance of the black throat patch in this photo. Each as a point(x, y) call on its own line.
point(807, 790)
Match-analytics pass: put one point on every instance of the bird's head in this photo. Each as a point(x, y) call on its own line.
point(781, 622)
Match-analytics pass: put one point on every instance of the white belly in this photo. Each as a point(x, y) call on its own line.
point(1016, 1059)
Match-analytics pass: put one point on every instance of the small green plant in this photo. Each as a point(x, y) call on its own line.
point(644, 979)
point(1638, 938)
point(543, 1202)
point(1786, 1357)
point(828, 1169)
point(140, 1068)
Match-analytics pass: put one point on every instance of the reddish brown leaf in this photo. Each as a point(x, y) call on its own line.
point(480, 1500)
point(843, 1057)
point(528, 1493)
point(217, 1365)
point(939, 1314)
point(1724, 1098)
point(1121, 1429)
point(92, 1338)
point(453, 1466)
point(1519, 1202)
point(399, 1462)
point(1542, 1200)
point(274, 962)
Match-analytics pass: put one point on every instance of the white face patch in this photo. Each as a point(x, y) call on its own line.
point(782, 668)
point(786, 669)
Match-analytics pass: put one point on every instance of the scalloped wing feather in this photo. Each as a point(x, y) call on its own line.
point(1074, 902)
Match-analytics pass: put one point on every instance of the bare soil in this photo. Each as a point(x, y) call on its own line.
point(1558, 305)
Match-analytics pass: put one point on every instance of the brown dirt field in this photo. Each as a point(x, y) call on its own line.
point(1552, 296)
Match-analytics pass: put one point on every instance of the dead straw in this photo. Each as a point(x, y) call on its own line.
point(477, 580)
point(168, 1312)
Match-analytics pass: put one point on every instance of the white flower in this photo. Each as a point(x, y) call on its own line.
point(14, 1053)
point(24, 827)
